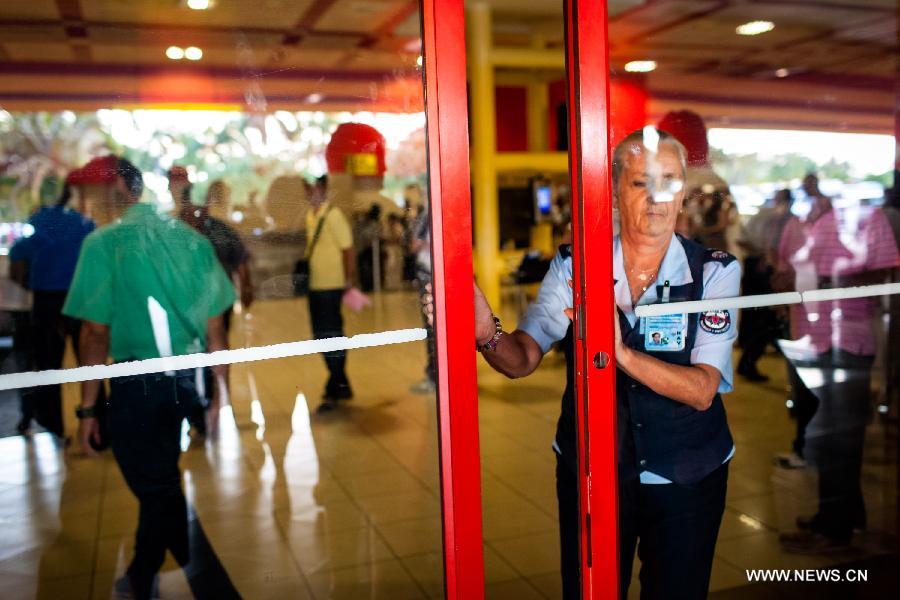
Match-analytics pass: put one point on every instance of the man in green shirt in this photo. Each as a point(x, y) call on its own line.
point(147, 286)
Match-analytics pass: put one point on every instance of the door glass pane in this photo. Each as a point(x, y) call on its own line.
point(520, 199)
point(783, 115)
point(165, 170)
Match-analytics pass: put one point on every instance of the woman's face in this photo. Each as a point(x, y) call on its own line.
point(650, 191)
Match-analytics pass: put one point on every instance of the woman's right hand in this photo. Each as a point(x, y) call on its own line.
point(484, 318)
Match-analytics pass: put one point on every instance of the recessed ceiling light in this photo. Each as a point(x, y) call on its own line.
point(314, 98)
point(193, 53)
point(640, 66)
point(755, 27)
point(198, 4)
point(174, 53)
point(782, 72)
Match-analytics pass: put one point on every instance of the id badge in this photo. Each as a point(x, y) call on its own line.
point(665, 333)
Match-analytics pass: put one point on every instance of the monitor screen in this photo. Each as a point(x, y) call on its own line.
point(543, 195)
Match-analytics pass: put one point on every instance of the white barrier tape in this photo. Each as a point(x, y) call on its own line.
point(884, 289)
point(211, 359)
point(694, 306)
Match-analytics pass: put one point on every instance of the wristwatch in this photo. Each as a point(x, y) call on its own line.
point(491, 344)
point(85, 412)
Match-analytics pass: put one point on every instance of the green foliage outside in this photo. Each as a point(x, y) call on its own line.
point(247, 151)
point(749, 169)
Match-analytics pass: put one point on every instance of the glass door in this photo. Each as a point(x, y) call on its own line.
point(230, 214)
point(734, 182)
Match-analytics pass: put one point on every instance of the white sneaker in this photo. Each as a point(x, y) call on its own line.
point(426, 386)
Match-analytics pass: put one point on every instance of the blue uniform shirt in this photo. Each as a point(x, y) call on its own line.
point(546, 322)
point(52, 250)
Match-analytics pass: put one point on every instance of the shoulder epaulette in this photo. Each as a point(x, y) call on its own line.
point(719, 256)
point(565, 250)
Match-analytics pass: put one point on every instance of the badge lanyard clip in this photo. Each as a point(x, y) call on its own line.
point(665, 294)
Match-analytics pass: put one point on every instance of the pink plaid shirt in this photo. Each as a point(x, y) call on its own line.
point(840, 243)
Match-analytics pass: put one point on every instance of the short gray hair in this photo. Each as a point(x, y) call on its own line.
point(637, 138)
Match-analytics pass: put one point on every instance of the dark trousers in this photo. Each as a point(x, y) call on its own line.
point(758, 325)
point(327, 322)
point(569, 538)
point(365, 268)
point(145, 415)
point(49, 330)
point(835, 437)
point(676, 525)
point(805, 406)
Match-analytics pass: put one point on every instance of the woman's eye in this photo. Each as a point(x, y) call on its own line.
point(639, 184)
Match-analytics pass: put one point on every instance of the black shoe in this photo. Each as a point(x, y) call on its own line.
point(812, 523)
point(328, 405)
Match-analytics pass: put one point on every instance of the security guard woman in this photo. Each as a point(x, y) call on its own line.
point(673, 438)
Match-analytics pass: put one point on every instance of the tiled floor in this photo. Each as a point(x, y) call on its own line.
point(346, 505)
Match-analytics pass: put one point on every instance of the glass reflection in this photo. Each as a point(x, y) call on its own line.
point(791, 176)
point(257, 176)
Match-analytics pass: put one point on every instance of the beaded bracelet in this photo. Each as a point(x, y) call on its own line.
point(491, 344)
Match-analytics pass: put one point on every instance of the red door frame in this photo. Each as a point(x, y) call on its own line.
point(444, 61)
point(587, 70)
point(587, 67)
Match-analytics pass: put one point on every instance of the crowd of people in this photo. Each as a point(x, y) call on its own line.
point(385, 244)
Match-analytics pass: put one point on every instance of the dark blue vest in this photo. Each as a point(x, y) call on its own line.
point(656, 433)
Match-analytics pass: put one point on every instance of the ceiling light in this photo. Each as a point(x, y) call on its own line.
point(174, 53)
point(782, 72)
point(755, 27)
point(314, 98)
point(193, 53)
point(640, 66)
point(198, 4)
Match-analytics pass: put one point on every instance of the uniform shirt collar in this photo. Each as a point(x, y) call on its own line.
point(674, 269)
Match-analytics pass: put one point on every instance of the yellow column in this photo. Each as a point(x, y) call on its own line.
point(484, 148)
point(538, 107)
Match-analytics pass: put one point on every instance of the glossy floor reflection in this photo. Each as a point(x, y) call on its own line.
point(346, 505)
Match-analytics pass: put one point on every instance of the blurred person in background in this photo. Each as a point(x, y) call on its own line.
point(759, 326)
point(392, 249)
point(45, 263)
point(716, 209)
point(230, 250)
point(235, 259)
point(180, 187)
point(367, 237)
point(139, 281)
point(793, 238)
point(421, 247)
point(892, 379)
point(218, 200)
point(831, 362)
point(331, 273)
